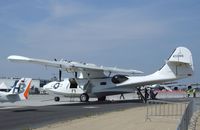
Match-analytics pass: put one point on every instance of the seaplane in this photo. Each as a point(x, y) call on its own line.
point(18, 92)
point(90, 80)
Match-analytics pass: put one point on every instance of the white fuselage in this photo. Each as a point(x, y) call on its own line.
point(101, 87)
point(94, 88)
point(62, 88)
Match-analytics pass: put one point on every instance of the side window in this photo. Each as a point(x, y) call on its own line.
point(102, 83)
point(73, 83)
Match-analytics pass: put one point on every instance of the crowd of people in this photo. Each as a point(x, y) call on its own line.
point(151, 94)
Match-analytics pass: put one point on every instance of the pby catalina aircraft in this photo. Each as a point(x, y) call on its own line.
point(92, 81)
point(18, 92)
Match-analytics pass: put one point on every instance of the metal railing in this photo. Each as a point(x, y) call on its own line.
point(191, 116)
point(185, 121)
point(163, 109)
point(187, 112)
point(194, 121)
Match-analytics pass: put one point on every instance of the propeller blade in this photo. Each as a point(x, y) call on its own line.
point(60, 74)
point(76, 75)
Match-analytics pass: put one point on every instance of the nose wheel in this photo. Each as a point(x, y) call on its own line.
point(84, 97)
point(57, 99)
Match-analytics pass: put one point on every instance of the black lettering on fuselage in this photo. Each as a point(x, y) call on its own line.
point(56, 85)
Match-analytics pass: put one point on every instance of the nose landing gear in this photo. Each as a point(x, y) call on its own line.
point(57, 99)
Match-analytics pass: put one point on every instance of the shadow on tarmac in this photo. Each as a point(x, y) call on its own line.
point(101, 102)
point(25, 110)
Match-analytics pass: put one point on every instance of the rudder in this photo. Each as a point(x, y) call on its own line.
point(24, 95)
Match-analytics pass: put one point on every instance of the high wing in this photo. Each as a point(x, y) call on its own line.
point(86, 70)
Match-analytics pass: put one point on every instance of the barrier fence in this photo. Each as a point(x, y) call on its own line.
point(191, 116)
point(187, 112)
point(162, 109)
point(185, 121)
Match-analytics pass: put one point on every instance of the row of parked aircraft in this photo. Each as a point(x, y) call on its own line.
point(90, 80)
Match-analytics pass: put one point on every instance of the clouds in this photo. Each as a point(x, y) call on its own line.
point(71, 25)
point(60, 10)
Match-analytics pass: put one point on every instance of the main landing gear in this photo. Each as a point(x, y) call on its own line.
point(141, 96)
point(102, 98)
point(84, 97)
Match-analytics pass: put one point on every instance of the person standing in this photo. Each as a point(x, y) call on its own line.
point(122, 96)
point(194, 92)
point(146, 94)
point(189, 91)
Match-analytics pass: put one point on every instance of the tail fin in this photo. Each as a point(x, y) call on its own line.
point(179, 65)
point(22, 88)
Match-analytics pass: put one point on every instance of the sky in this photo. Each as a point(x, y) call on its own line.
point(130, 34)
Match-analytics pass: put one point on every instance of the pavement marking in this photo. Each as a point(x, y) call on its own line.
point(90, 107)
point(11, 107)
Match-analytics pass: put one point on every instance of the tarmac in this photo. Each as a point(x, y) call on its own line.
point(129, 119)
point(41, 110)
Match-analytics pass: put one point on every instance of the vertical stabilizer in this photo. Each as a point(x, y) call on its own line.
point(179, 65)
point(22, 88)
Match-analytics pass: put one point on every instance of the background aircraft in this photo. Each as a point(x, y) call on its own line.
point(18, 92)
point(97, 81)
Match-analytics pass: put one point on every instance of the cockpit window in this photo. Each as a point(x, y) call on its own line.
point(119, 79)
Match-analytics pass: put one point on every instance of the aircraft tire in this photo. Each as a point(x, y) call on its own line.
point(57, 99)
point(102, 98)
point(84, 97)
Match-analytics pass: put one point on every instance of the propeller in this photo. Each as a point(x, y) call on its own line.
point(76, 74)
point(60, 75)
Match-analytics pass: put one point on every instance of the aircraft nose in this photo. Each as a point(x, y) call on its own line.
point(47, 87)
